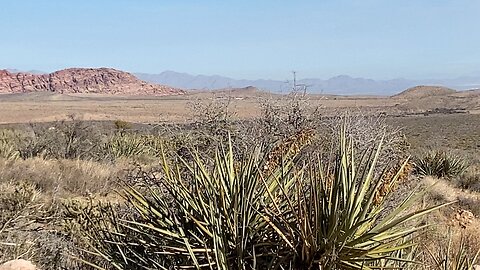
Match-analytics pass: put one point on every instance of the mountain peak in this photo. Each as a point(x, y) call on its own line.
point(341, 77)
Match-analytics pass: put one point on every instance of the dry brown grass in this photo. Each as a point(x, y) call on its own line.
point(445, 191)
point(457, 223)
point(34, 194)
point(56, 177)
point(458, 135)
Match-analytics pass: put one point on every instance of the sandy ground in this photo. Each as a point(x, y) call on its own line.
point(46, 107)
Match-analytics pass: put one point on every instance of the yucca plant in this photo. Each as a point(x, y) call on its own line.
point(8, 151)
point(440, 164)
point(8, 148)
point(247, 215)
point(213, 219)
point(330, 220)
point(133, 145)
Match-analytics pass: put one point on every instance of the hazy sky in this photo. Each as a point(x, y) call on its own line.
point(246, 39)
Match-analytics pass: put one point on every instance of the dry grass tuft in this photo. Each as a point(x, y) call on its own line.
point(57, 177)
point(34, 199)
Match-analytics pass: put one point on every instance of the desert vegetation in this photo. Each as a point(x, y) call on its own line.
point(291, 189)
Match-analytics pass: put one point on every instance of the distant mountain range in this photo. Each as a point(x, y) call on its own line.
point(340, 85)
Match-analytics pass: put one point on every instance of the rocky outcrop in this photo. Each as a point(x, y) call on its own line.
point(82, 80)
point(17, 265)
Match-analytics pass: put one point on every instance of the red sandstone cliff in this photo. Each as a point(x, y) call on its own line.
point(82, 80)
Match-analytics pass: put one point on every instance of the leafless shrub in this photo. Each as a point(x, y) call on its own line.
point(72, 138)
point(281, 121)
point(215, 115)
point(40, 227)
point(364, 130)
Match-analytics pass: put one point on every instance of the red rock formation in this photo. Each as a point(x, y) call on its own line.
point(82, 80)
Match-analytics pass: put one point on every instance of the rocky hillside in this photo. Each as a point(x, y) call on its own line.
point(424, 91)
point(82, 80)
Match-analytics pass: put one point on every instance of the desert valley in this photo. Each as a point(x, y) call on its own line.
point(79, 146)
point(239, 135)
point(108, 95)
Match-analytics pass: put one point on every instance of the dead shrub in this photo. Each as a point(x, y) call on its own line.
point(70, 139)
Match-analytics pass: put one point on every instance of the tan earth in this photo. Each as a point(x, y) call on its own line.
point(245, 103)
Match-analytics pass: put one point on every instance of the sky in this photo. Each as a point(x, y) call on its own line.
point(379, 39)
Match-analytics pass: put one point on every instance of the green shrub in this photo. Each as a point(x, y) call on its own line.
point(440, 164)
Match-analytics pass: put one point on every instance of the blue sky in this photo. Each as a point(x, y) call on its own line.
point(377, 39)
